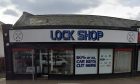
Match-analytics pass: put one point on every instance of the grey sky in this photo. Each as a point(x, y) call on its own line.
point(11, 10)
point(3, 4)
point(54, 6)
point(132, 3)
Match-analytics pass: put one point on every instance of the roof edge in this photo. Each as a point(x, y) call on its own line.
point(23, 18)
point(1, 23)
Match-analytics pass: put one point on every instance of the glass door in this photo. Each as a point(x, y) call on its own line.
point(44, 62)
point(41, 62)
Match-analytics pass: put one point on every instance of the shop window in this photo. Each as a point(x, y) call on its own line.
point(86, 61)
point(105, 61)
point(22, 60)
point(122, 60)
point(138, 61)
point(61, 61)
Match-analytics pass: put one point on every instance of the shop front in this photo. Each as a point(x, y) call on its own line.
point(70, 53)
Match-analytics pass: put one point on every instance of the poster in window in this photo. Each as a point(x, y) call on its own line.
point(86, 61)
point(105, 61)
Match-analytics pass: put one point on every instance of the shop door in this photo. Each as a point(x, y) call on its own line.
point(44, 62)
point(41, 62)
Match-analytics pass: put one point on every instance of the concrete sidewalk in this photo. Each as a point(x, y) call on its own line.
point(133, 80)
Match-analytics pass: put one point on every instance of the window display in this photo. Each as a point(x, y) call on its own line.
point(105, 61)
point(86, 61)
point(122, 60)
point(22, 59)
point(61, 61)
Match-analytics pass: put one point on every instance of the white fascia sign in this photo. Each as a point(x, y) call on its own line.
point(73, 35)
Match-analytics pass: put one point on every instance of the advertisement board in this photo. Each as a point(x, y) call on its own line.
point(105, 61)
point(86, 61)
point(72, 35)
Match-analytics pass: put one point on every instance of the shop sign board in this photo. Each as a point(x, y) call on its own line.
point(86, 61)
point(105, 61)
point(73, 35)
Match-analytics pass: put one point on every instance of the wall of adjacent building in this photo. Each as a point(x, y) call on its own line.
point(1, 43)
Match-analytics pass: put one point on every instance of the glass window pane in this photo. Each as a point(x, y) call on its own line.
point(105, 61)
point(61, 61)
point(86, 61)
point(22, 60)
point(122, 61)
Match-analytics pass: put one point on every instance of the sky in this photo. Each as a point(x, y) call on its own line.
point(11, 10)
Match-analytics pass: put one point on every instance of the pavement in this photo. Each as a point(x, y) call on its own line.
point(132, 80)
